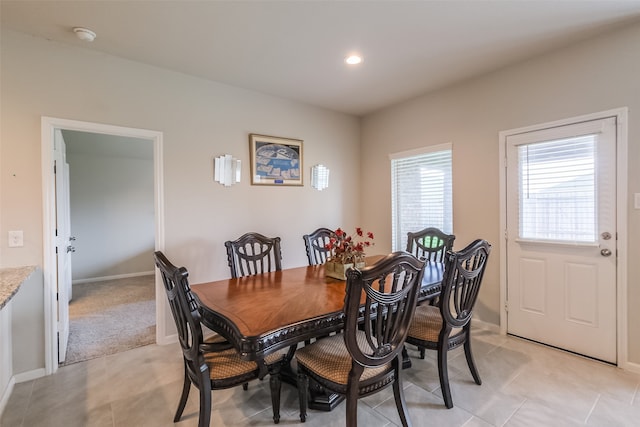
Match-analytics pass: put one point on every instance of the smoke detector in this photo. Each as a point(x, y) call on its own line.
point(84, 34)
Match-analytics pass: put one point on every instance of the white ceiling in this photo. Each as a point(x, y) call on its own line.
point(295, 49)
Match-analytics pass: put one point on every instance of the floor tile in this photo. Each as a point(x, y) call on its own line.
point(612, 412)
point(532, 414)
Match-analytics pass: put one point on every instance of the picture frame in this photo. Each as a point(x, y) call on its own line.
point(275, 160)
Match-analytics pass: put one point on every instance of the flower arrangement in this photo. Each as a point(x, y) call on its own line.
point(347, 249)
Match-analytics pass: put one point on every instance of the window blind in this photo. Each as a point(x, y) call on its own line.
point(421, 193)
point(558, 190)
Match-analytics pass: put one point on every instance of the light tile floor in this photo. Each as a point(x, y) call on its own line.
point(524, 384)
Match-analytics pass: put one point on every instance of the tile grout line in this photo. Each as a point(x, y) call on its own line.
point(635, 394)
point(515, 411)
point(593, 407)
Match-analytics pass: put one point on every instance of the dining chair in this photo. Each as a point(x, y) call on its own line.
point(430, 243)
point(209, 364)
point(316, 245)
point(366, 357)
point(252, 253)
point(448, 325)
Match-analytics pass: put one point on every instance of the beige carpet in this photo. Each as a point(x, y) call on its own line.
point(111, 316)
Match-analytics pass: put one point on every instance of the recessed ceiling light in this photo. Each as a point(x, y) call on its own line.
point(353, 59)
point(84, 34)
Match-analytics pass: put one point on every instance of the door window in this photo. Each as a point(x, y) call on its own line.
point(557, 196)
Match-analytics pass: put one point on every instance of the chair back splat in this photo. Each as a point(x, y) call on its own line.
point(391, 291)
point(430, 243)
point(316, 245)
point(462, 282)
point(253, 253)
point(379, 304)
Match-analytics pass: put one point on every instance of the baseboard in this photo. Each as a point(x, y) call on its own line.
point(30, 375)
point(631, 367)
point(6, 394)
point(481, 324)
point(169, 339)
point(117, 276)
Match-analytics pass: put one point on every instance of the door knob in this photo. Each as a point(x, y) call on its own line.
point(605, 252)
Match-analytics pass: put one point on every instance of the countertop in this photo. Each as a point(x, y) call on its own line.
point(10, 280)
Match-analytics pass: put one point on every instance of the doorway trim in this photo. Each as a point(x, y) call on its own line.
point(621, 115)
point(48, 126)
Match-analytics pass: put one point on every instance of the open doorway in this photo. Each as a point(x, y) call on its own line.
point(111, 222)
point(101, 266)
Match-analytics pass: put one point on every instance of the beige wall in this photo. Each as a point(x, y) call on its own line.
point(598, 75)
point(199, 120)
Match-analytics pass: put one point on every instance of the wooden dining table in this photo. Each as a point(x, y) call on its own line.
point(264, 313)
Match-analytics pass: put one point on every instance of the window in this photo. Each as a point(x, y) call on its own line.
point(421, 192)
point(558, 190)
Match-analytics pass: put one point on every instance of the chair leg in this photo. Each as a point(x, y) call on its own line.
point(470, 362)
point(186, 386)
point(352, 409)
point(443, 372)
point(205, 401)
point(275, 384)
point(303, 387)
point(353, 382)
point(289, 356)
point(406, 360)
point(398, 395)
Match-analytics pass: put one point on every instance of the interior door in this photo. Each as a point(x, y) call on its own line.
point(561, 237)
point(63, 243)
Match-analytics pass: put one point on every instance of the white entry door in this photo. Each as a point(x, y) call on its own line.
point(561, 237)
point(63, 242)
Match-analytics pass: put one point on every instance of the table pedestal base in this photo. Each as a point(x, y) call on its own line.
point(319, 398)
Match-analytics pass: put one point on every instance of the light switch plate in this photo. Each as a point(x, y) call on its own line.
point(636, 201)
point(16, 239)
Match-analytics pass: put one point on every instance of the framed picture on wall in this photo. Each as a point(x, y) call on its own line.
point(275, 160)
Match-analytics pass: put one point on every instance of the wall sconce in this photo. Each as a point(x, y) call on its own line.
point(319, 177)
point(227, 170)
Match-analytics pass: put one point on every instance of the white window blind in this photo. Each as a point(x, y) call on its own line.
point(421, 193)
point(558, 190)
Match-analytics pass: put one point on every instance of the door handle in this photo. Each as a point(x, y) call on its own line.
point(605, 252)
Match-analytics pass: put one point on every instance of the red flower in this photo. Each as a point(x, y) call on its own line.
point(345, 249)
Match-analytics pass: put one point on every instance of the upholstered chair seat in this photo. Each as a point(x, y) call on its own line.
point(329, 358)
point(427, 324)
